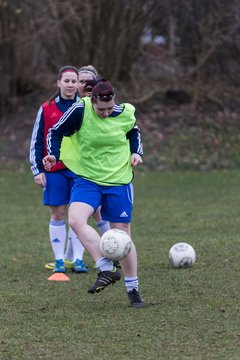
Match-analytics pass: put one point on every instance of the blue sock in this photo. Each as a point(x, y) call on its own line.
point(103, 226)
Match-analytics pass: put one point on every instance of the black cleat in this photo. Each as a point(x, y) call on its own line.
point(117, 264)
point(104, 279)
point(135, 299)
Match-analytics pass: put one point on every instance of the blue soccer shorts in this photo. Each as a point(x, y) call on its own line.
point(58, 187)
point(116, 201)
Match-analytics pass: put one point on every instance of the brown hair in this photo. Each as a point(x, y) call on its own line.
point(65, 69)
point(102, 90)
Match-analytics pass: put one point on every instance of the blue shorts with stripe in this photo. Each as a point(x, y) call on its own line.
point(116, 201)
point(58, 187)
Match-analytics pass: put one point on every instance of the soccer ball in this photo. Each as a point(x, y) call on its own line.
point(182, 255)
point(115, 244)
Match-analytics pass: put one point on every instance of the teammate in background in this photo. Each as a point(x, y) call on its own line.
point(57, 184)
point(85, 74)
point(106, 145)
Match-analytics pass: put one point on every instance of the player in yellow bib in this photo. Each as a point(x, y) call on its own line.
point(104, 146)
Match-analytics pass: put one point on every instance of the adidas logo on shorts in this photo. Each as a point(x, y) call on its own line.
point(124, 214)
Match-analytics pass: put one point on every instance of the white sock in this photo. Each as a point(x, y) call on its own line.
point(103, 226)
point(131, 283)
point(77, 246)
point(69, 250)
point(57, 233)
point(104, 264)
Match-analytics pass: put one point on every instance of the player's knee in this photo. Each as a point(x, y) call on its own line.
point(74, 222)
point(71, 221)
point(58, 214)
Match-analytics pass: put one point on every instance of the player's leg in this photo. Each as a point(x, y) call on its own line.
point(78, 263)
point(129, 264)
point(57, 233)
point(118, 210)
point(68, 256)
point(73, 242)
point(85, 199)
point(78, 216)
point(129, 268)
point(102, 225)
point(55, 197)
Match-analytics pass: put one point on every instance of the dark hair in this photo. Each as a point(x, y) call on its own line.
point(65, 69)
point(102, 90)
point(89, 84)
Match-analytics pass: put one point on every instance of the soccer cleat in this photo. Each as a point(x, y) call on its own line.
point(135, 299)
point(104, 279)
point(79, 266)
point(59, 266)
point(50, 266)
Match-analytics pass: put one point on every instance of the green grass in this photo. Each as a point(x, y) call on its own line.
point(189, 314)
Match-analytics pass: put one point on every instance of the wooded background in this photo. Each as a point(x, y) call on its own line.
point(155, 52)
point(202, 43)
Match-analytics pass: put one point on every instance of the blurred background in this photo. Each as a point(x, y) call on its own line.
point(177, 61)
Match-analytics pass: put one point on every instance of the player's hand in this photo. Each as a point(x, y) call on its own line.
point(40, 180)
point(136, 160)
point(48, 162)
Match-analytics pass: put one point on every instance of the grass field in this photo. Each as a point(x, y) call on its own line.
point(189, 314)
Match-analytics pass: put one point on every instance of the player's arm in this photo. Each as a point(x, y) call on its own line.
point(36, 151)
point(135, 146)
point(68, 124)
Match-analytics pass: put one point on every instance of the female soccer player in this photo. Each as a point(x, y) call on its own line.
point(73, 258)
point(57, 184)
point(105, 145)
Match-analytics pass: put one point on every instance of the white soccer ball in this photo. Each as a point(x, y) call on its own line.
point(115, 244)
point(182, 255)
